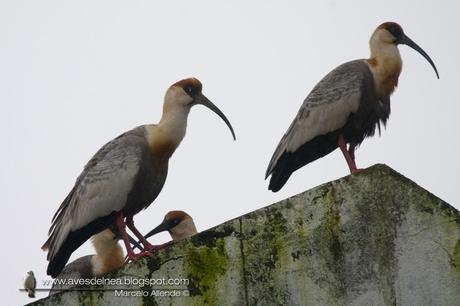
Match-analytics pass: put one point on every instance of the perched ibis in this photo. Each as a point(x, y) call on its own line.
point(30, 283)
point(345, 107)
point(178, 224)
point(122, 178)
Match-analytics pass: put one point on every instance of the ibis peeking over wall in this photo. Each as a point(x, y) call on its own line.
point(345, 107)
point(123, 178)
point(179, 225)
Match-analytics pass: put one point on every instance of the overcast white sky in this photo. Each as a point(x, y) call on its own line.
point(74, 75)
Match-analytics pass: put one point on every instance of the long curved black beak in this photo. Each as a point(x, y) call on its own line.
point(407, 41)
point(201, 99)
point(134, 242)
point(117, 234)
point(164, 226)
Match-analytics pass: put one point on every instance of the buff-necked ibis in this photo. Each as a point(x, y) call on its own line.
point(345, 107)
point(178, 223)
point(123, 177)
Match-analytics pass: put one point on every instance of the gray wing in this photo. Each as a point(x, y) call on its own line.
point(101, 188)
point(325, 109)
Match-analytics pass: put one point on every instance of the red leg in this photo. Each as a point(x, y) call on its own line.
point(154, 247)
point(351, 151)
point(122, 227)
point(130, 223)
point(348, 157)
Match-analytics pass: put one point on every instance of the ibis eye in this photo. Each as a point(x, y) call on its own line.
point(189, 90)
point(176, 221)
point(395, 31)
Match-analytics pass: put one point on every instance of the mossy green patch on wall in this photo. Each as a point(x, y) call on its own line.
point(204, 265)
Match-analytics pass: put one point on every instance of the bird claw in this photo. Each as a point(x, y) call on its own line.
point(134, 257)
point(147, 247)
point(155, 247)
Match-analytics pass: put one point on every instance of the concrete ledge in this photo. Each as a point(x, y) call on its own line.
point(374, 238)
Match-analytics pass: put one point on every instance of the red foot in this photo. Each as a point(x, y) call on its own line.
point(147, 253)
point(133, 256)
point(122, 227)
point(147, 246)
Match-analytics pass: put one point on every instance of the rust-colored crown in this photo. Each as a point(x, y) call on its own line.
point(177, 214)
point(392, 27)
point(191, 86)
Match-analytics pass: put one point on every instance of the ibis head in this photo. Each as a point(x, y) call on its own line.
point(178, 223)
point(187, 93)
point(391, 33)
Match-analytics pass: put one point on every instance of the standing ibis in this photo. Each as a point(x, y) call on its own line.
point(123, 178)
point(178, 224)
point(345, 107)
point(108, 257)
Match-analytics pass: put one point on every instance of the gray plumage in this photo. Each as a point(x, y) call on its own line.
point(345, 107)
point(124, 177)
point(72, 273)
point(121, 176)
point(344, 100)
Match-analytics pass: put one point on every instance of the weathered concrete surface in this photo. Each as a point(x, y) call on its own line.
point(374, 238)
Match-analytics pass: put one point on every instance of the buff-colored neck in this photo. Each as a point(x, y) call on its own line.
point(173, 123)
point(165, 137)
point(385, 62)
point(109, 254)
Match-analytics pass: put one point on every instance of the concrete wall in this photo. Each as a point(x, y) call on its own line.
point(374, 238)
